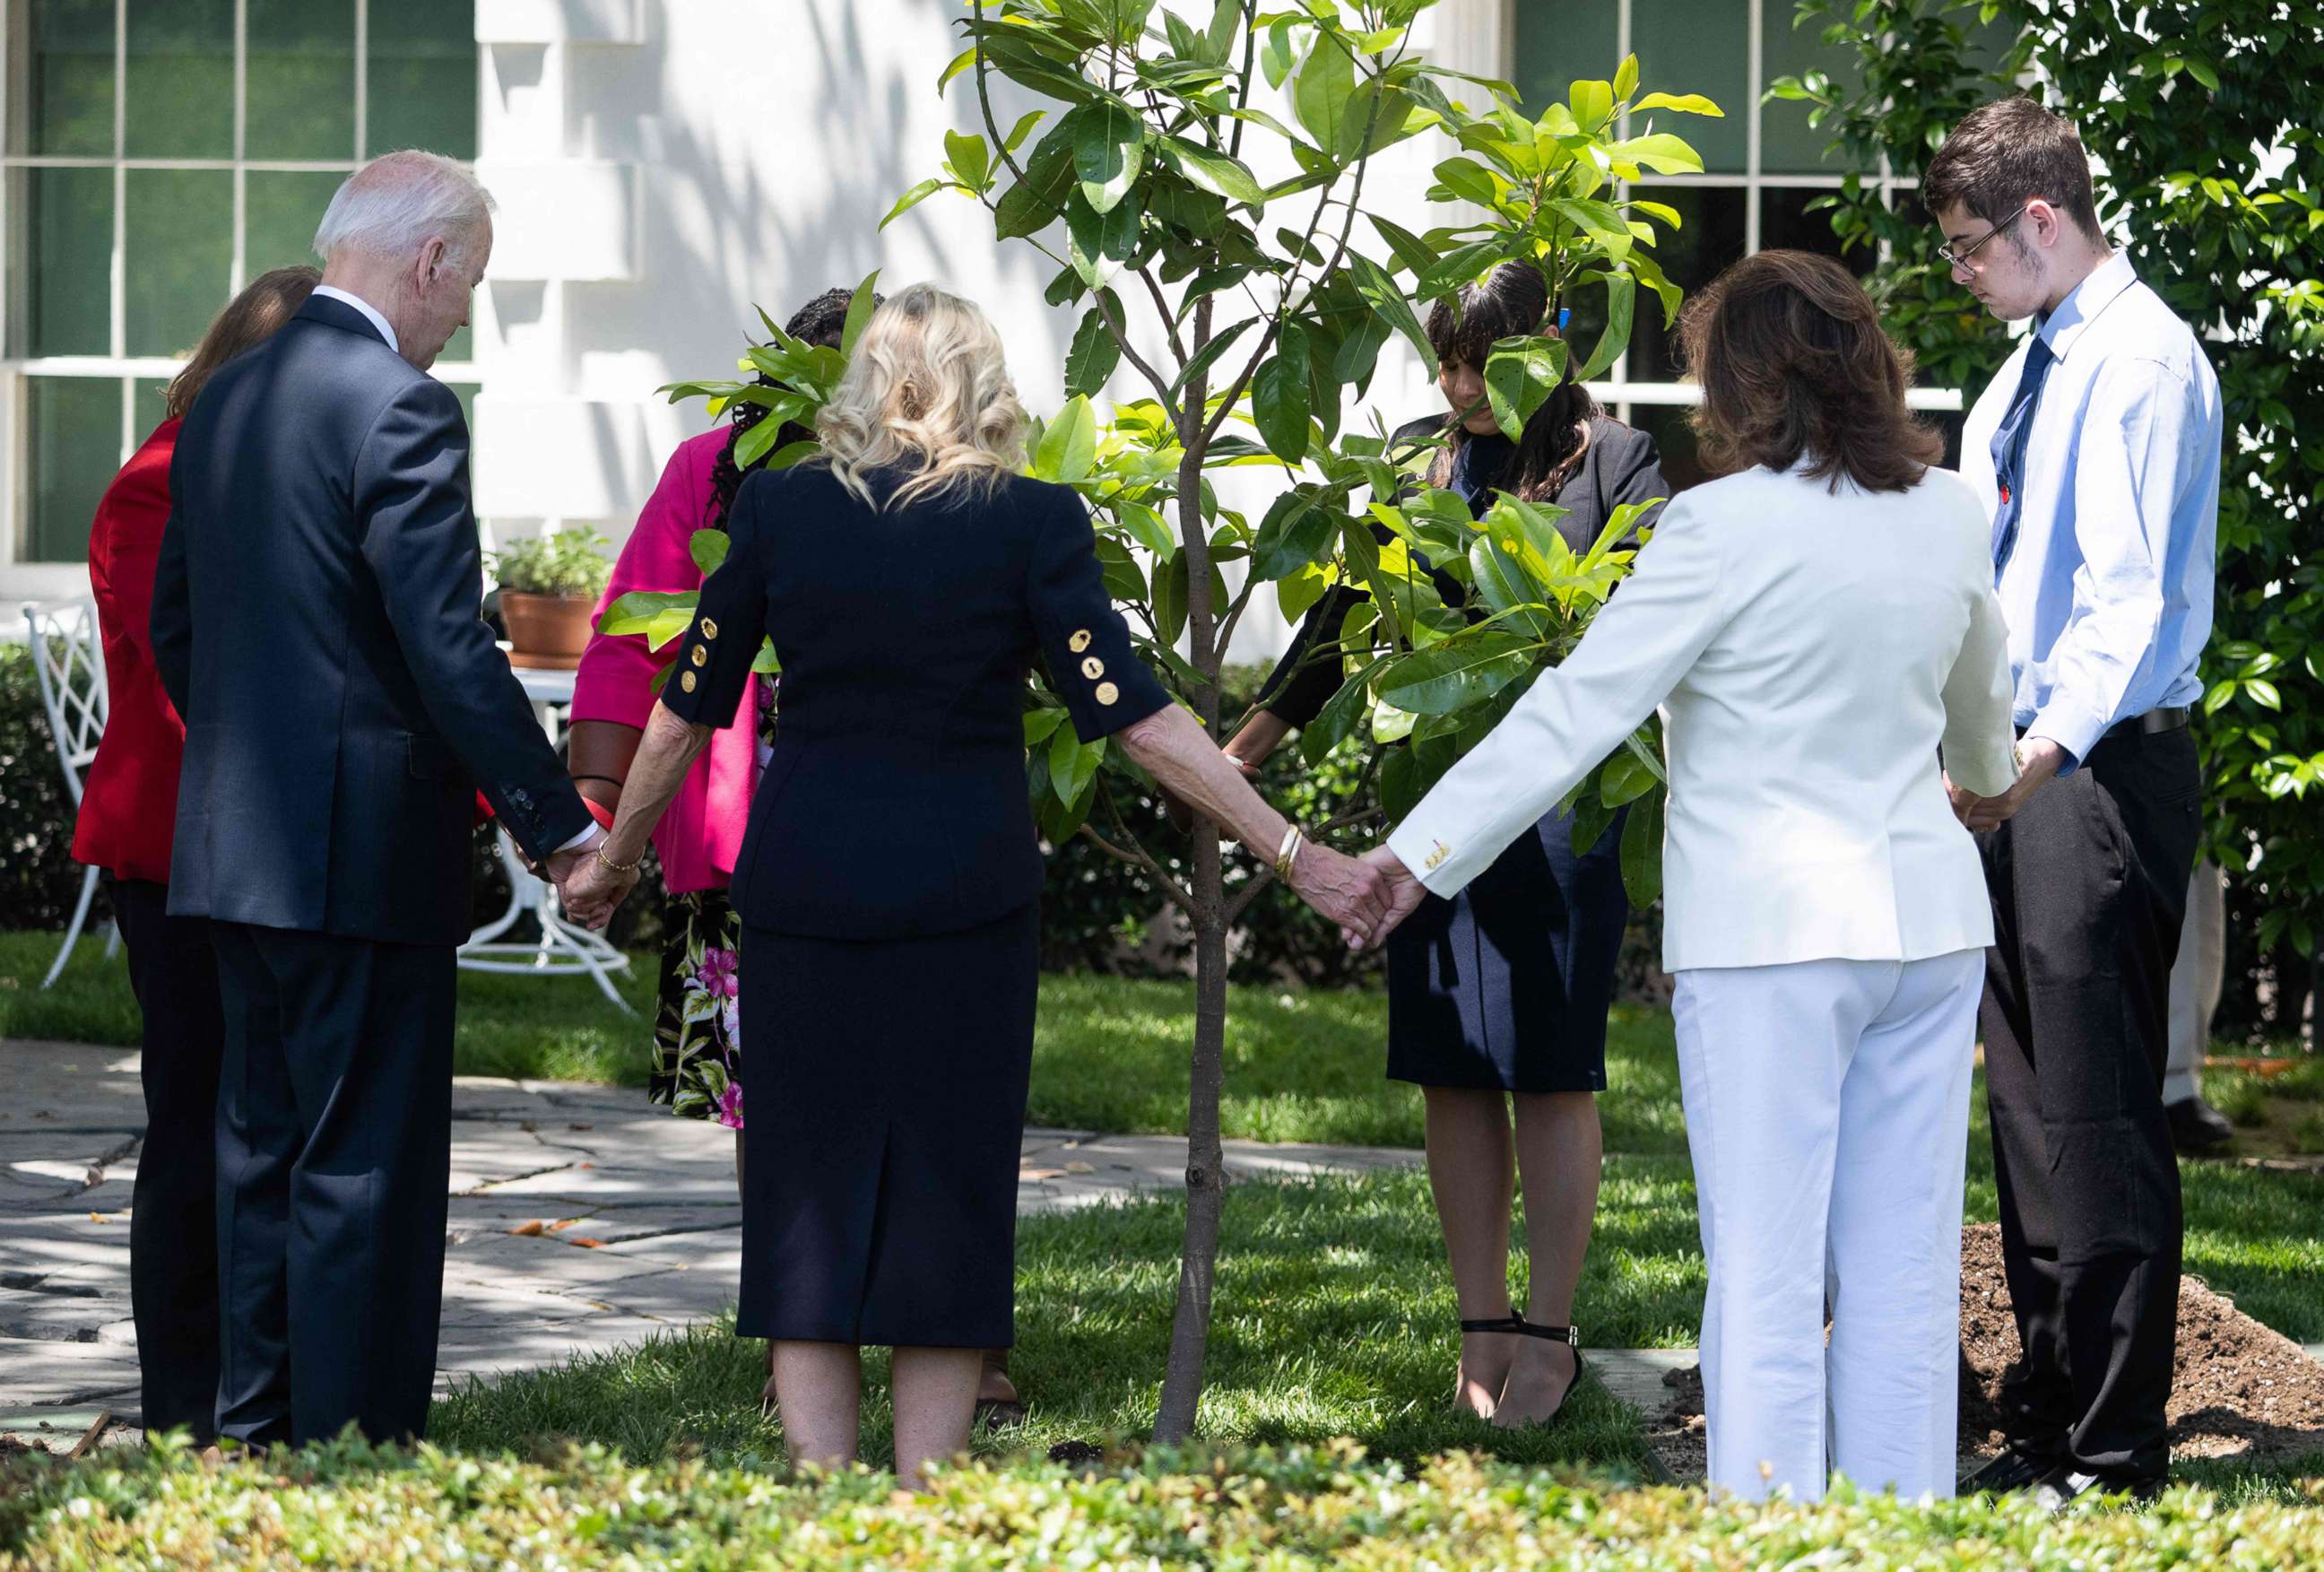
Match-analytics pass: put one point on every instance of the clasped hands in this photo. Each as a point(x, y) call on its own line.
point(2038, 762)
point(586, 886)
point(1367, 896)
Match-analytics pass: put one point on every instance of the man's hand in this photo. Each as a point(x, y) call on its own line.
point(2039, 760)
point(1404, 894)
point(1340, 888)
point(587, 888)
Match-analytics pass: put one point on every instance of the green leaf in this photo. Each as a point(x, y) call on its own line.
point(1274, 57)
point(1170, 598)
point(2263, 693)
point(2201, 69)
point(859, 312)
point(971, 162)
point(959, 62)
point(1023, 129)
point(1031, 205)
point(1095, 351)
point(708, 549)
point(1456, 267)
point(1661, 151)
point(1218, 36)
point(1339, 716)
point(1642, 851)
point(1109, 149)
point(1388, 302)
point(755, 443)
point(1625, 80)
point(1147, 528)
point(1072, 763)
point(790, 453)
point(1593, 102)
point(1297, 592)
point(1040, 722)
point(1359, 352)
point(1069, 446)
point(636, 611)
point(913, 199)
point(1470, 181)
point(1297, 529)
point(1591, 817)
point(1684, 103)
point(1098, 244)
point(1503, 585)
point(1456, 674)
point(1320, 96)
point(1215, 173)
point(1203, 358)
point(1625, 778)
point(1413, 254)
point(1279, 396)
point(1400, 786)
point(1520, 374)
point(1621, 304)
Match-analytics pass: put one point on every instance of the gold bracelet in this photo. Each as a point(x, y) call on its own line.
point(1287, 854)
point(623, 869)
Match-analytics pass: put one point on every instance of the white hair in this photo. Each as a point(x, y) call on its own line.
point(392, 205)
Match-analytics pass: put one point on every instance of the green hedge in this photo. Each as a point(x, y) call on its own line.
point(349, 1507)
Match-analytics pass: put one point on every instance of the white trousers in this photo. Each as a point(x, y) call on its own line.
point(1827, 1110)
point(2197, 977)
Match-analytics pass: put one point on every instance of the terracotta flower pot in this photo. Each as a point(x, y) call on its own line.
point(546, 632)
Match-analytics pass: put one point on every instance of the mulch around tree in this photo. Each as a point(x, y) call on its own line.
point(2241, 1389)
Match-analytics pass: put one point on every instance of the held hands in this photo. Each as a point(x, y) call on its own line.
point(587, 887)
point(1342, 890)
point(1403, 892)
point(2038, 762)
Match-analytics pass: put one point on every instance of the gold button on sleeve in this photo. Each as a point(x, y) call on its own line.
point(685, 681)
point(1093, 667)
point(1107, 693)
point(1079, 642)
point(701, 656)
point(709, 629)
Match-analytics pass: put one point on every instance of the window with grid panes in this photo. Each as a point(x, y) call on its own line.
point(1763, 163)
point(157, 155)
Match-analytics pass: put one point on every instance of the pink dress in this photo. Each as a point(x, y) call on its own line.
point(699, 837)
point(697, 1037)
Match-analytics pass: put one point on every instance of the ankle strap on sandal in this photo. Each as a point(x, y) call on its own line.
point(1516, 1323)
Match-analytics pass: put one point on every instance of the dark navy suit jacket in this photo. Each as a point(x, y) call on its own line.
point(895, 802)
point(316, 622)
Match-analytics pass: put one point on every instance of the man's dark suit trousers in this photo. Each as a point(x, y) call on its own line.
point(2089, 887)
point(334, 1154)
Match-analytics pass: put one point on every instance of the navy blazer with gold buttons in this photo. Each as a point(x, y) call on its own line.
point(894, 804)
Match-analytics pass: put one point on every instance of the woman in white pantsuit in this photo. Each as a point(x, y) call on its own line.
point(1817, 624)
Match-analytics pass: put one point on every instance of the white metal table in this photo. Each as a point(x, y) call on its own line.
point(564, 948)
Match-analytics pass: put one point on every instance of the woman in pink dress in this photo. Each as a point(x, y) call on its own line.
point(698, 1041)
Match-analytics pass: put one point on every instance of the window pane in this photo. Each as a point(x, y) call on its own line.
point(153, 404)
point(180, 88)
point(1787, 223)
point(280, 211)
point(1561, 41)
point(66, 80)
point(302, 84)
point(73, 431)
point(1709, 238)
point(66, 217)
point(1684, 46)
point(1788, 145)
point(422, 88)
point(1670, 427)
point(180, 254)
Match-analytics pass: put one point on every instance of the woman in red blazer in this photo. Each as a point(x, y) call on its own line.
point(129, 804)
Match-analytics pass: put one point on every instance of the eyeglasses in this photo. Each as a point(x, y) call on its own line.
point(1950, 258)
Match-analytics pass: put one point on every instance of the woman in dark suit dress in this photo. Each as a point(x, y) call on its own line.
point(1499, 997)
point(889, 882)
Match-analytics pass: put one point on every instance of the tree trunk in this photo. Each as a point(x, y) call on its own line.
point(1206, 1194)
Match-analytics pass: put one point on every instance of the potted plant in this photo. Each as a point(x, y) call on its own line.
point(548, 586)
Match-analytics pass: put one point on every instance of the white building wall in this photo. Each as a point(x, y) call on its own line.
point(662, 166)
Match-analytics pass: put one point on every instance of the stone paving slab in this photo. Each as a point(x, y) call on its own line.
point(581, 1220)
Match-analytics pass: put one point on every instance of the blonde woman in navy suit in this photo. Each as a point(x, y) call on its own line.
point(1816, 625)
point(889, 883)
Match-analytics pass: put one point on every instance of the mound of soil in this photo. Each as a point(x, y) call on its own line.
point(2240, 1389)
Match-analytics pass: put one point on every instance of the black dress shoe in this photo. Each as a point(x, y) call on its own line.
point(2196, 1126)
point(2067, 1484)
point(2011, 1470)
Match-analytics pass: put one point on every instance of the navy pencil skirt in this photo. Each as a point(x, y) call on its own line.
point(1506, 986)
point(885, 1113)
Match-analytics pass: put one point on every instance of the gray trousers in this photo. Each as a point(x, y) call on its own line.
point(2196, 979)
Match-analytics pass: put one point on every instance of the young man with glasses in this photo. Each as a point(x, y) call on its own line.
point(2096, 449)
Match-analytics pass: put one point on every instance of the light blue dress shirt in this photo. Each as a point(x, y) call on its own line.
point(2108, 591)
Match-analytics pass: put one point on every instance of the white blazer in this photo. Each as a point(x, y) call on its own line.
point(1813, 650)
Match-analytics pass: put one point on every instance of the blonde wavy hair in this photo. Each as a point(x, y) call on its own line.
point(928, 388)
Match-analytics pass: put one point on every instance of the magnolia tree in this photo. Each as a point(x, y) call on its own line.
point(1245, 314)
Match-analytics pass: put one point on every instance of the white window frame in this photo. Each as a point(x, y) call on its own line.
point(19, 578)
point(1617, 392)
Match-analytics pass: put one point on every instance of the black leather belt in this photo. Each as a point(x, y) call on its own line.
point(2168, 717)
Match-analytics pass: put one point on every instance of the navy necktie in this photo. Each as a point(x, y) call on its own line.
point(2009, 442)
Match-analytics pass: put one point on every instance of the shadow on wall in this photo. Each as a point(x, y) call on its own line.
point(771, 141)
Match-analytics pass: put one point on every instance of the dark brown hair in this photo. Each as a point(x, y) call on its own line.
point(248, 320)
point(1512, 302)
point(2003, 156)
point(822, 321)
point(1792, 360)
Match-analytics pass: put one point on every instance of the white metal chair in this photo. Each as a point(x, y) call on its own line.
point(68, 663)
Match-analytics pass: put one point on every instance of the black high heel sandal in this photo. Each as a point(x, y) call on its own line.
point(1568, 1336)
